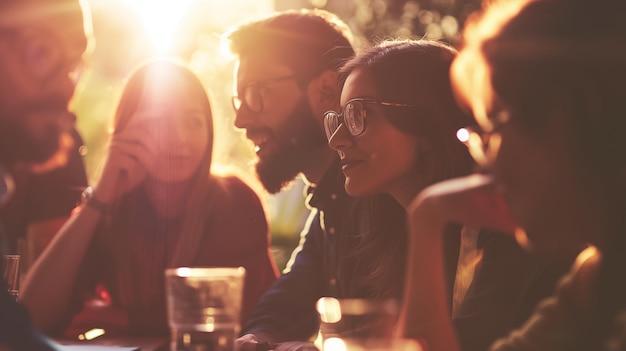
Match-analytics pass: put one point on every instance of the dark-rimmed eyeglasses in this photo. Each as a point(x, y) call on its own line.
point(252, 95)
point(42, 54)
point(483, 143)
point(353, 116)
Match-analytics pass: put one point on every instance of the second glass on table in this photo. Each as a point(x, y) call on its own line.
point(360, 325)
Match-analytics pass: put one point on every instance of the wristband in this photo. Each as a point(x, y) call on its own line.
point(88, 199)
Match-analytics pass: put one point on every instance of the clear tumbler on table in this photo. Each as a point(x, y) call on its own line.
point(11, 273)
point(360, 325)
point(204, 307)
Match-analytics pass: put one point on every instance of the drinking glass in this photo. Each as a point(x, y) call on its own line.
point(390, 344)
point(360, 324)
point(11, 274)
point(203, 307)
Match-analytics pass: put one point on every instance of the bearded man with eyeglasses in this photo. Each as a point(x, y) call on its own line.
point(285, 79)
point(42, 47)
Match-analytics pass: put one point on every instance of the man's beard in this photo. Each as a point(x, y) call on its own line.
point(17, 141)
point(296, 141)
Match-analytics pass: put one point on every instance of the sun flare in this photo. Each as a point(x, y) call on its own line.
point(160, 19)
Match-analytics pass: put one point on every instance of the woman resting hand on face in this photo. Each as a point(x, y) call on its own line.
point(396, 135)
point(155, 205)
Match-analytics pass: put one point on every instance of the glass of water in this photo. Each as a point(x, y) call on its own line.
point(11, 273)
point(358, 324)
point(204, 307)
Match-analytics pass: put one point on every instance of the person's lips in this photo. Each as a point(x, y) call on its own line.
point(259, 145)
point(261, 141)
point(46, 123)
point(51, 109)
point(347, 164)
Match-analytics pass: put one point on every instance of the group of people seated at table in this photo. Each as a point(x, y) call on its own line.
point(481, 189)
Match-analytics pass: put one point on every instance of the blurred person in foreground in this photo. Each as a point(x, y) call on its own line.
point(43, 199)
point(395, 136)
point(545, 82)
point(156, 205)
point(42, 48)
point(286, 78)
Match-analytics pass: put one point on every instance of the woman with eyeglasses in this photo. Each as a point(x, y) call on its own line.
point(548, 95)
point(156, 205)
point(395, 135)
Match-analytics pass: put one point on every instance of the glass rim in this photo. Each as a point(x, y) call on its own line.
point(11, 256)
point(351, 306)
point(209, 272)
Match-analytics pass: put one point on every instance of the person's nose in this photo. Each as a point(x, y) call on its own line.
point(69, 70)
point(244, 119)
point(63, 83)
point(341, 139)
point(177, 133)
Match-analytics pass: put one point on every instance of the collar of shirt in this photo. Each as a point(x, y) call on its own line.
point(329, 189)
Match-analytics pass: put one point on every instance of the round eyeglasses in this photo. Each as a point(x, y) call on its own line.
point(252, 94)
point(353, 116)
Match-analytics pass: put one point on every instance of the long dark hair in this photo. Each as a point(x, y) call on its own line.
point(411, 72)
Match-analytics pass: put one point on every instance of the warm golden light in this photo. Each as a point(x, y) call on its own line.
point(160, 18)
point(183, 272)
point(522, 239)
point(335, 344)
point(463, 135)
point(329, 309)
point(591, 252)
point(91, 334)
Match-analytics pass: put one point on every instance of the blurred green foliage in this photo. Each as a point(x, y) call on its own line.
point(375, 20)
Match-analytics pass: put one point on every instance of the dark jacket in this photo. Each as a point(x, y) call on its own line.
point(287, 310)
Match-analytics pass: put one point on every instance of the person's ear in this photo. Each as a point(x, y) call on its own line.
point(324, 92)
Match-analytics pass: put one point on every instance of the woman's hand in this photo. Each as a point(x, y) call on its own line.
point(471, 200)
point(130, 157)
